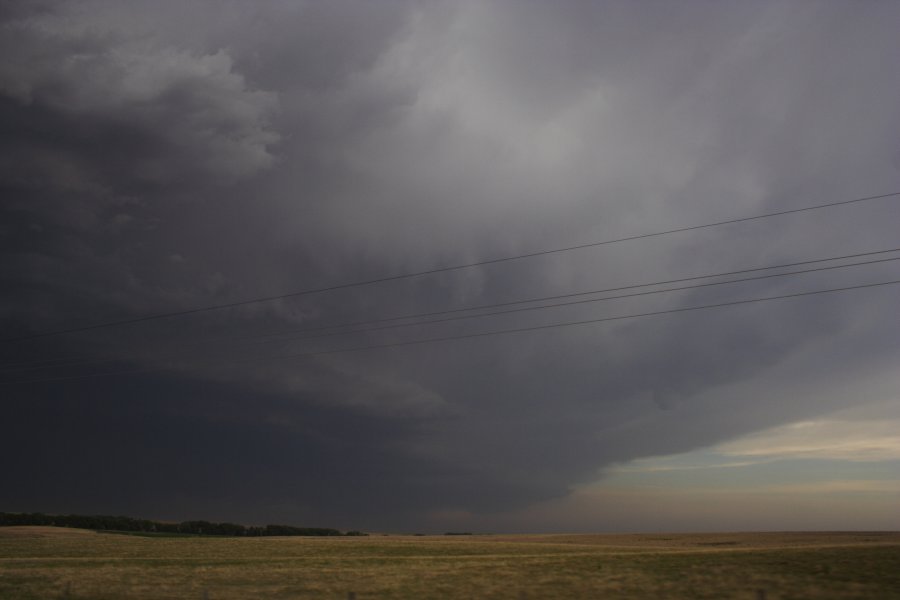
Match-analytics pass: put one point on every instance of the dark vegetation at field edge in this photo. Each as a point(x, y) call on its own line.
point(134, 526)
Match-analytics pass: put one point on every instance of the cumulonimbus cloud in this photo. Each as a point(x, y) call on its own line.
point(177, 113)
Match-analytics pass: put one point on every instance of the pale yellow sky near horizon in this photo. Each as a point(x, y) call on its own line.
point(837, 472)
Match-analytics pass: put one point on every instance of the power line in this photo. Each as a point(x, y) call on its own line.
point(593, 321)
point(262, 338)
point(437, 270)
point(477, 335)
point(591, 300)
point(607, 290)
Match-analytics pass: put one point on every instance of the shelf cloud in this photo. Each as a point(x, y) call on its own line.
point(165, 158)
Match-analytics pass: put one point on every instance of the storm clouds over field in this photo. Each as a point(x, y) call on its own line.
point(160, 157)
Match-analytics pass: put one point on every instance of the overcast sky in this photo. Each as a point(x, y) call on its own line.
point(159, 157)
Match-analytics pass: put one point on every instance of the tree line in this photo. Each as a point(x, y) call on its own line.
point(110, 523)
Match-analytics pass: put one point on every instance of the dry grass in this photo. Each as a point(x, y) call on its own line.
point(53, 563)
point(42, 532)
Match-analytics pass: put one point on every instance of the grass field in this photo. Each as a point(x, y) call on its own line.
point(42, 563)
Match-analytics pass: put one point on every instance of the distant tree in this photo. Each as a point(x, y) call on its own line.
point(120, 523)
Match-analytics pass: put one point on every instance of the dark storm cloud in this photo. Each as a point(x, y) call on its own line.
point(160, 158)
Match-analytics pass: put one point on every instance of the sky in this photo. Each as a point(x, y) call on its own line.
point(162, 157)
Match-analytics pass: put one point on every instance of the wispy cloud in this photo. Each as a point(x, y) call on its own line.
point(834, 486)
point(823, 439)
point(657, 465)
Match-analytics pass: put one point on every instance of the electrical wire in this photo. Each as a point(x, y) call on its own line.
point(266, 338)
point(437, 270)
point(475, 335)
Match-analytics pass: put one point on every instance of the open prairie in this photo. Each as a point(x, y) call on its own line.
point(40, 563)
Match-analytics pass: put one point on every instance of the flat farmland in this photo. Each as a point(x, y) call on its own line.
point(41, 563)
